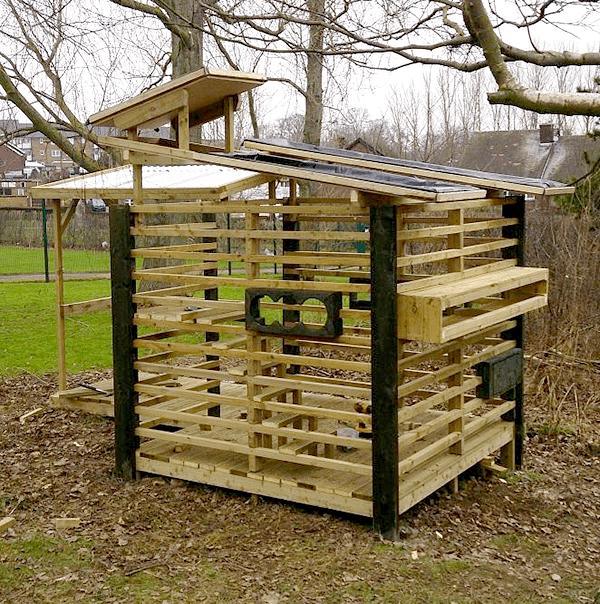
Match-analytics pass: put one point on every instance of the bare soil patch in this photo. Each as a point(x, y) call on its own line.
point(532, 536)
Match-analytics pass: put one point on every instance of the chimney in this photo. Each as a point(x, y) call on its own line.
point(546, 133)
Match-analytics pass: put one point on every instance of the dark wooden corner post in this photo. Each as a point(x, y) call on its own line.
point(517, 231)
point(124, 333)
point(384, 368)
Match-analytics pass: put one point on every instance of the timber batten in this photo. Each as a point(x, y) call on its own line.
point(320, 349)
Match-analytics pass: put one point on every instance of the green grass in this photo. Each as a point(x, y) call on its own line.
point(21, 557)
point(28, 328)
point(28, 261)
point(28, 340)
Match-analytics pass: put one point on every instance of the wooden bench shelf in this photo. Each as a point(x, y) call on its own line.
point(441, 312)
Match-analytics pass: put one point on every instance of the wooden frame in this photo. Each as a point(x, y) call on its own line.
point(370, 419)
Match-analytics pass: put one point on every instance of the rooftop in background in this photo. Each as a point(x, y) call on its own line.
point(206, 89)
point(530, 153)
point(161, 182)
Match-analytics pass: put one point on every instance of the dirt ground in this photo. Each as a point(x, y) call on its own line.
point(531, 536)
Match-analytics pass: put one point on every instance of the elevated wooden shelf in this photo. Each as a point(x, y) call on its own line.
point(442, 312)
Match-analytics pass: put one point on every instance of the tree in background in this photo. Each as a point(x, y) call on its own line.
point(305, 43)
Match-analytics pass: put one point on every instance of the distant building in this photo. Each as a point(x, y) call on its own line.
point(542, 153)
point(12, 159)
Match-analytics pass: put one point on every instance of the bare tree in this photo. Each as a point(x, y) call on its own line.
point(60, 60)
point(379, 34)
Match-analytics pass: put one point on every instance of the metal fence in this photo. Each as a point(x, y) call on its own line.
point(26, 236)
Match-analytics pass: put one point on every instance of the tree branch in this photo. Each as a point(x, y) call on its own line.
point(42, 125)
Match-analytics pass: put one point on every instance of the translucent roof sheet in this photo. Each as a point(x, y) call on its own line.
point(117, 183)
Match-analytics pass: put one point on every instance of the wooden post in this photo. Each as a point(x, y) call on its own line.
point(122, 265)
point(517, 231)
point(229, 124)
point(60, 294)
point(384, 369)
point(253, 344)
point(212, 294)
point(456, 265)
point(290, 223)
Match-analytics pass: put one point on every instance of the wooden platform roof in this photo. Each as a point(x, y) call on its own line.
point(517, 184)
point(161, 182)
point(364, 180)
point(205, 90)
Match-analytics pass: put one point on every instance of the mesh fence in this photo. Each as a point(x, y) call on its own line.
point(26, 242)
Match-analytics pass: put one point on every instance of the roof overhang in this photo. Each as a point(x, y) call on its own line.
point(363, 180)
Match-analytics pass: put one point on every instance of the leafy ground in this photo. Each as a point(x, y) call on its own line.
point(529, 537)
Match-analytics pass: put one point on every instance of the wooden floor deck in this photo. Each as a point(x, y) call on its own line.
point(170, 455)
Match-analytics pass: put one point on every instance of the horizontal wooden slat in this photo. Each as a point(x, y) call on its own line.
point(420, 457)
point(262, 206)
point(429, 280)
point(444, 373)
point(208, 282)
point(411, 234)
point(407, 413)
point(79, 308)
point(221, 445)
point(489, 418)
point(308, 361)
point(412, 436)
point(495, 316)
point(455, 253)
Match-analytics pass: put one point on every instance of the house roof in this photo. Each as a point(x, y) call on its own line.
point(14, 149)
point(361, 142)
point(205, 89)
point(520, 153)
point(161, 182)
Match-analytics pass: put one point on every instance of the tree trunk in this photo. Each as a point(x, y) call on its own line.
point(313, 115)
point(314, 74)
point(186, 53)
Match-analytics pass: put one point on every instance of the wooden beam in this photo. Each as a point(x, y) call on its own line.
point(124, 334)
point(293, 172)
point(411, 168)
point(213, 112)
point(384, 369)
point(152, 113)
point(70, 214)
point(229, 106)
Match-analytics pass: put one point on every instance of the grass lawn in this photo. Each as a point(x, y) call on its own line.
point(27, 261)
point(28, 328)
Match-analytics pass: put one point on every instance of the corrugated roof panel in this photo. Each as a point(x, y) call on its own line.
point(173, 178)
